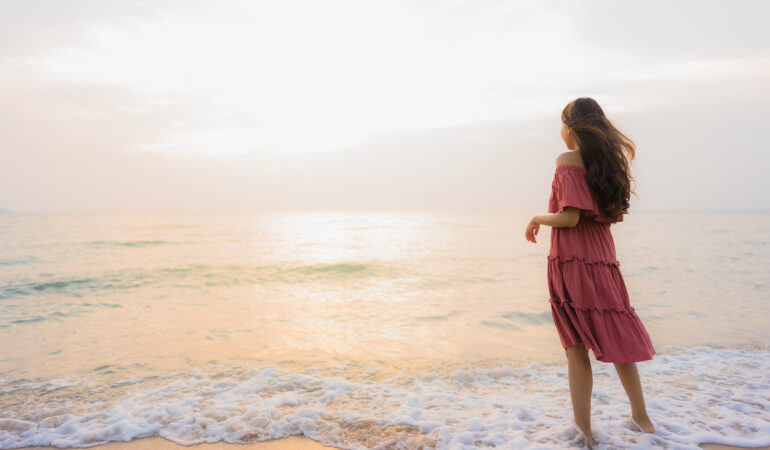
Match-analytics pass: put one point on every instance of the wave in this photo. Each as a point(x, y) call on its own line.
point(540, 318)
point(127, 243)
point(17, 261)
point(694, 395)
point(331, 268)
point(194, 275)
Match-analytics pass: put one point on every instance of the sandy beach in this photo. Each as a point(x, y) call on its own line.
point(158, 443)
point(710, 446)
point(288, 443)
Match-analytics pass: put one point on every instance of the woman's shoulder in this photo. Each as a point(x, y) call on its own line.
point(570, 158)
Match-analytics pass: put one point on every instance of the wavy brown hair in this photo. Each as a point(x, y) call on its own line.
point(602, 147)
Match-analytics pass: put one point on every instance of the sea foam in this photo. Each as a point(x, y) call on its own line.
point(693, 395)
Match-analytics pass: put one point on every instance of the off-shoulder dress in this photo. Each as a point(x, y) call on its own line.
point(589, 300)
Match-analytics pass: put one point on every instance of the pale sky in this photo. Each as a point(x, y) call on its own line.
point(170, 105)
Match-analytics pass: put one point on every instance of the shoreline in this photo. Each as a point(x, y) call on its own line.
point(294, 442)
point(713, 446)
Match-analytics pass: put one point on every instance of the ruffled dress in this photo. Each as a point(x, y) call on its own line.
point(589, 300)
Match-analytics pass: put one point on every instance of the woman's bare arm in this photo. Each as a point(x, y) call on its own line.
point(567, 218)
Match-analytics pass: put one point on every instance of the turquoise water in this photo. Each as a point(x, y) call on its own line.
point(116, 324)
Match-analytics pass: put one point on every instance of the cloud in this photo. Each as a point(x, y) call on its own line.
point(30, 28)
point(349, 105)
point(660, 31)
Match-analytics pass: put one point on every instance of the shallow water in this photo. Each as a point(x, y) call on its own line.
point(360, 328)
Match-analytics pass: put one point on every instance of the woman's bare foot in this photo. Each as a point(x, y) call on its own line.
point(644, 422)
point(588, 437)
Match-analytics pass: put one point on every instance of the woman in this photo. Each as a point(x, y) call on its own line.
point(589, 301)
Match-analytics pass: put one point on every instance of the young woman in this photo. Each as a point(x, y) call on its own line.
point(589, 301)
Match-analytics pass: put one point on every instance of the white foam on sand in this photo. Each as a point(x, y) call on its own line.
point(693, 395)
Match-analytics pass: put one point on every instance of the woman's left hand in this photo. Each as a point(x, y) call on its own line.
point(532, 229)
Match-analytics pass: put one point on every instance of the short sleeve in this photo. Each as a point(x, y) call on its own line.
point(570, 188)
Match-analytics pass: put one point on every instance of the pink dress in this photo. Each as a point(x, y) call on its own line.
point(589, 300)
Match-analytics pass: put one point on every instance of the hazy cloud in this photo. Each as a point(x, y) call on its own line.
point(367, 105)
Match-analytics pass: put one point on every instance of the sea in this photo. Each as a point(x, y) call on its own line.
point(367, 330)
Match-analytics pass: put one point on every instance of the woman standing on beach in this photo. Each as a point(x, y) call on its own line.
point(589, 302)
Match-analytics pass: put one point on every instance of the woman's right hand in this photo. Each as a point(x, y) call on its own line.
point(532, 229)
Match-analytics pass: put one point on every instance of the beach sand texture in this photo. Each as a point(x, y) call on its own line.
point(710, 446)
point(288, 443)
point(158, 443)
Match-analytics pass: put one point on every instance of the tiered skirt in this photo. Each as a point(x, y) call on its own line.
point(590, 305)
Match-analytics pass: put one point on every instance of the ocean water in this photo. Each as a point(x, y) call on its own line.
point(366, 330)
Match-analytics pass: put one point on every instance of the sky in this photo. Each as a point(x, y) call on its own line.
point(170, 105)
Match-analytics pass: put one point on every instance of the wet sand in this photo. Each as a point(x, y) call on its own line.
point(158, 443)
point(710, 446)
point(288, 443)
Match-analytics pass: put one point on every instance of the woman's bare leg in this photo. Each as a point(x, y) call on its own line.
point(580, 386)
point(629, 377)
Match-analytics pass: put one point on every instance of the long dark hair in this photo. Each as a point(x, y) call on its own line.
point(602, 145)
